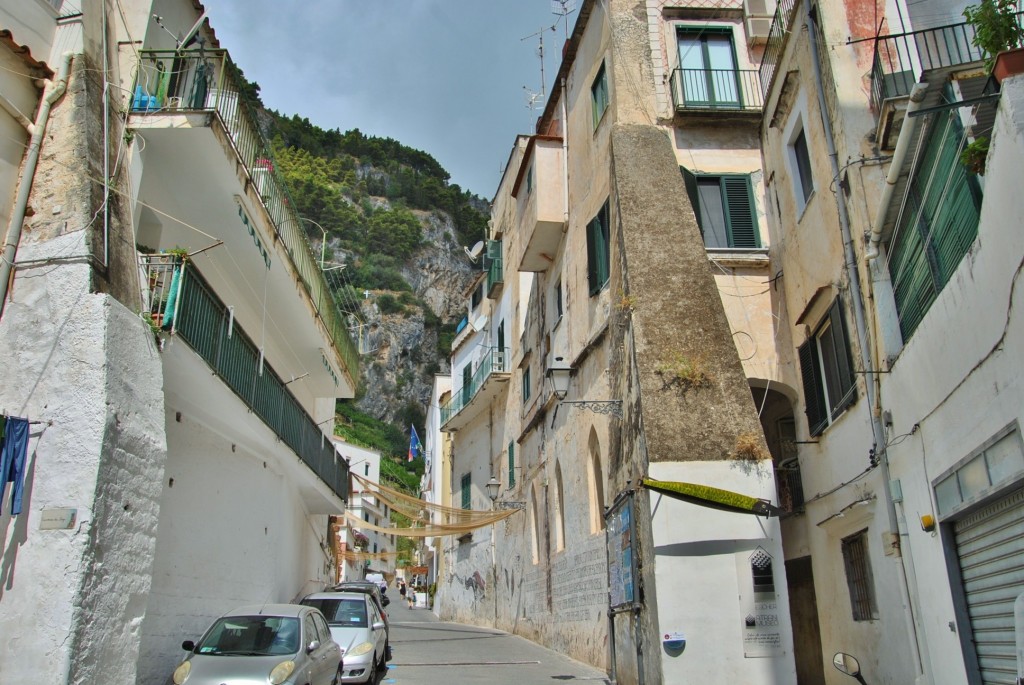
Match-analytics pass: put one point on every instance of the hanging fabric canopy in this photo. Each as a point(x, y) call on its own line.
point(715, 498)
point(427, 519)
point(365, 556)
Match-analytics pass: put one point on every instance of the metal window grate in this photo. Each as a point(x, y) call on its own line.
point(858, 576)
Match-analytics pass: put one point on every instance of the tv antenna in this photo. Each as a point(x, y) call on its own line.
point(563, 8)
point(533, 97)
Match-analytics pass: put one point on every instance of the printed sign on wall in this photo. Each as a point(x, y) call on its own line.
point(759, 604)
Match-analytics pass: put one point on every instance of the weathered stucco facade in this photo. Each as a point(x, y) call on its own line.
point(155, 497)
point(653, 337)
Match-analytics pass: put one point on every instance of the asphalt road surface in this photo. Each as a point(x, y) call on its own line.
point(426, 651)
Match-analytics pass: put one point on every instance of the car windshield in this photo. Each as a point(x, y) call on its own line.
point(341, 612)
point(251, 636)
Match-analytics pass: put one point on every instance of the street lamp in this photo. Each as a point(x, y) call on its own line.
point(323, 244)
point(559, 375)
point(493, 486)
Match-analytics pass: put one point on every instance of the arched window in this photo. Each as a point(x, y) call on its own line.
point(534, 522)
point(559, 509)
point(595, 483)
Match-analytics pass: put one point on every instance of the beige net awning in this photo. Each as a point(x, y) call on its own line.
point(367, 556)
point(428, 519)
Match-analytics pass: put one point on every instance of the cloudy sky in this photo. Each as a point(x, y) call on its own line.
point(443, 76)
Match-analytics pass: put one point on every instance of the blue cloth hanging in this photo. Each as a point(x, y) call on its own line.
point(12, 461)
point(171, 309)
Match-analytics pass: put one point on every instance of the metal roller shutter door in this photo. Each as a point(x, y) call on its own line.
point(990, 548)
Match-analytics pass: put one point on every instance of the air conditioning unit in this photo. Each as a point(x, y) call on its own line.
point(757, 29)
point(758, 8)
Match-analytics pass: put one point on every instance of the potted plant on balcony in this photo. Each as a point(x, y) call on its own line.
point(997, 31)
point(974, 155)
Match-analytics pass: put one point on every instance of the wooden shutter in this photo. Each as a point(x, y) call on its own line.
point(844, 358)
point(691, 189)
point(814, 390)
point(597, 251)
point(738, 198)
point(511, 464)
point(592, 259)
point(467, 495)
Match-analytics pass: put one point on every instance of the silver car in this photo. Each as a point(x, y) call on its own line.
point(356, 625)
point(280, 644)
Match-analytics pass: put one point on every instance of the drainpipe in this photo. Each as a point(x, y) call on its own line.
point(565, 162)
point(52, 92)
point(917, 94)
point(877, 430)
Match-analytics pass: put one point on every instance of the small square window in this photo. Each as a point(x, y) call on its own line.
point(599, 95)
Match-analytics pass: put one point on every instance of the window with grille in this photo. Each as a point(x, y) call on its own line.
point(599, 95)
point(598, 252)
point(467, 494)
point(858, 577)
point(725, 209)
point(827, 371)
point(938, 227)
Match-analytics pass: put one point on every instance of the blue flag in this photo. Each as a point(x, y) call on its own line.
point(414, 445)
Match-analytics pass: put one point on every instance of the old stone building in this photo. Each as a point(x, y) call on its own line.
point(628, 256)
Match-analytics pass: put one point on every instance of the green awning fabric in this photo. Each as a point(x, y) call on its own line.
point(716, 498)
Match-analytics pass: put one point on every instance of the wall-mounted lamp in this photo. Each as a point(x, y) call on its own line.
point(493, 486)
point(559, 376)
point(927, 523)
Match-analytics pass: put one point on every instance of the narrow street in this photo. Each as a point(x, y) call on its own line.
point(426, 650)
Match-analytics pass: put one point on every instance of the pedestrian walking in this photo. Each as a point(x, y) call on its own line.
point(401, 588)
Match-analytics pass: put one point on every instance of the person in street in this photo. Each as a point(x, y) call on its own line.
point(410, 594)
point(401, 588)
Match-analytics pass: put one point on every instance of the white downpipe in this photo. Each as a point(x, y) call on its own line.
point(52, 92)
point(917, 94)
point(565, 162)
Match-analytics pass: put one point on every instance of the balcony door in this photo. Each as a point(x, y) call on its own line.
point(707, 61)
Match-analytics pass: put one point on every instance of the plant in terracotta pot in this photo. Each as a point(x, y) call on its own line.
point(997, 30)
point(974, 155)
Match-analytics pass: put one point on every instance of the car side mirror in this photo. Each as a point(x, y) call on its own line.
point(379, 625)
point(188, 645)
point(387, 600)
point(313, 646)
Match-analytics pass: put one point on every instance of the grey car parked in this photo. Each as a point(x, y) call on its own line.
point(280, 644)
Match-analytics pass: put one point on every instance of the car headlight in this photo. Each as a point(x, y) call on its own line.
point(181, 673)
point(281, 672)
point(360, 649)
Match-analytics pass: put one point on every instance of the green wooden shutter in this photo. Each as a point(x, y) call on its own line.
point(592, 259)
point(691, 189)
point(741, 218)
point(844, 358)
point(814, 391)
point(467, 495)
point(597, 251)
point(511, 464)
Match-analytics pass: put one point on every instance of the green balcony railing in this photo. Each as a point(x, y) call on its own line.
point(200, 319)
point(495, 360)
point(206, 80)
point(493, 266)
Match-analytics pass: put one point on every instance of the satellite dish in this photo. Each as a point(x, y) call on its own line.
point(475, 252)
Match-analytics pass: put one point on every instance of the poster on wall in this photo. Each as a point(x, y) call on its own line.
point(621, 562)
point(759, 604)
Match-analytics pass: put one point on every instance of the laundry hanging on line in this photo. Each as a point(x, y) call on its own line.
point(13, 454)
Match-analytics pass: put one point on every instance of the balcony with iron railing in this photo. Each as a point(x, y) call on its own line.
point(179, 301)
point(178, 94)
point(716, 91)
point(778, 34)
point(903, 59)
point(492, 372)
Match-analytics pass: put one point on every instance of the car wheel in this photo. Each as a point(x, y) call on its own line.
point(371, 679)
point(337, 675)
point(387, 653)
